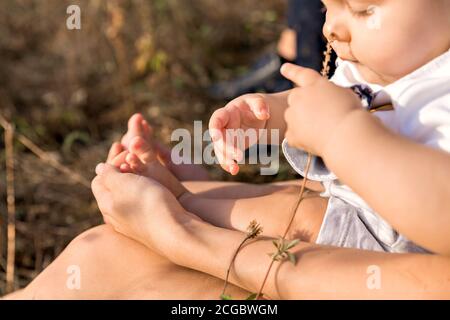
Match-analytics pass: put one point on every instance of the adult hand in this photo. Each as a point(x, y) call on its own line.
point(140, 208)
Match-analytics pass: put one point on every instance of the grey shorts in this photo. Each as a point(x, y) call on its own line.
point(349, 225)
point(345, 225)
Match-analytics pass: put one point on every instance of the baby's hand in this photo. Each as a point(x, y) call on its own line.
point(316, 109)
point(250, 111)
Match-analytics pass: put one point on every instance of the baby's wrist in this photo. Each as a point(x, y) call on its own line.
point(345, 132)
point(278, 104)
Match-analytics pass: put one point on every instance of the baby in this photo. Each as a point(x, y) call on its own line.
point(380, 171)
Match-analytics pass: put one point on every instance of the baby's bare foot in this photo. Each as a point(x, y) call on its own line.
point(139, 127)
point(142, 160)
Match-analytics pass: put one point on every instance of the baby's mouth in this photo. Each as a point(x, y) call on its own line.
point(343, 51)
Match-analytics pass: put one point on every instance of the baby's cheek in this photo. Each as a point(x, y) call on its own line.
point(397, 61)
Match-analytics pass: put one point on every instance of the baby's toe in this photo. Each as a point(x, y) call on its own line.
point(125, 168)
point(147, 129)
point(141, 148)
point(135, 127)
point(135, 163)
point(114, 151)
point(119, 159)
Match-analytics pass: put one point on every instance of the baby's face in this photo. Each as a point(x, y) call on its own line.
point(387, 39)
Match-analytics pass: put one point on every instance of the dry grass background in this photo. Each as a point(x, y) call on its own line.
point(71, 93)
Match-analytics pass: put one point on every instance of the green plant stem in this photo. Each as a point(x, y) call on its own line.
point(232, 262)
point(297, 204)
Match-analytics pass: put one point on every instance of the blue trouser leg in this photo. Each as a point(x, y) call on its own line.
point(307, 19)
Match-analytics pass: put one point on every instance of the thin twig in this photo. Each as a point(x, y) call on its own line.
point(45, 157)
point(10, 194)
point(231, 264)
point(327, 60)
point(324, 73)
point(2, 232)
point(11, 208)
point(294, 213)
point(254, 229)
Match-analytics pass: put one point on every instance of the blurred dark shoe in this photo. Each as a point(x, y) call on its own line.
point(263, 76)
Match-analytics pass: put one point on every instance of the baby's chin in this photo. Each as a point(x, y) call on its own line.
point(371, 76)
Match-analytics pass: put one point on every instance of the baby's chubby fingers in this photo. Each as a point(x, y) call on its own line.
point(221, 124)
point(254, 106)
point(217, 130)
point(218, 124)
point(302, 77)
point(226, 161)
point(223, 119)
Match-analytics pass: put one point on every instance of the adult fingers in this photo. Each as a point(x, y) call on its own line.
point(114, 151)
point(102, 195)
point(110, 177)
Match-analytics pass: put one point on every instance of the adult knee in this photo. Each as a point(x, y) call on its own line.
point(91, 244)
point(102, 246)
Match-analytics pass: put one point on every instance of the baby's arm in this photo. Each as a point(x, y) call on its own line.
point(272, 211)
point(239, 190)
point(279, 104)
point(405, 182)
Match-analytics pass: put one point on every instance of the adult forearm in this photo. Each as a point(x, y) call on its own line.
point(212, 249)
point(407, 183)
point(321, 272)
